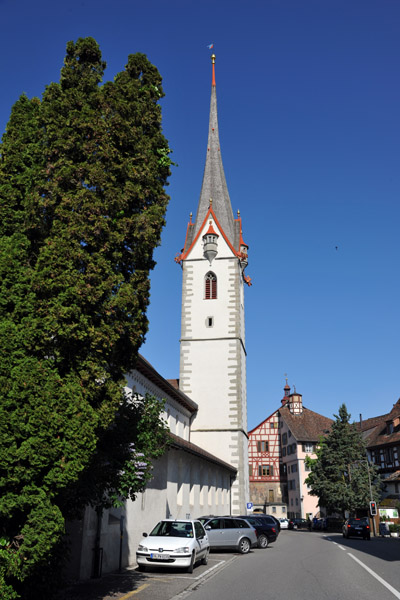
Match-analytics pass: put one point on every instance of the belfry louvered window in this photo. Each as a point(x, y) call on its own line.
point(210, 286)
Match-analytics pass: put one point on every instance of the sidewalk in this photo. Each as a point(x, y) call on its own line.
point(153, 585)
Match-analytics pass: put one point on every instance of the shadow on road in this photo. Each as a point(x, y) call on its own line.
point(385, 548)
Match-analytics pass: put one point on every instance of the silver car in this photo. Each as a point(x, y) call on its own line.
point(230, 532)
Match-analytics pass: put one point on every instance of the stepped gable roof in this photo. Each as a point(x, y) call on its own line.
point(308, 426)
point(180, 443)
point(214, 183)
point(146, 369)
point(375, 430)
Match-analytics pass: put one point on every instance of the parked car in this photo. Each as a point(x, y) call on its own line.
point(174, 543)
point(266, 529)
point(284, 523)
point(231, 532)
point(298, 524)
point(269, 518)
point(357, 528)
point(318, 524)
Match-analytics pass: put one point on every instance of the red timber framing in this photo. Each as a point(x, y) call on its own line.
point(264, 450)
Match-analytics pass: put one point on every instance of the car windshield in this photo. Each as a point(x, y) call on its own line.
point(173, 529)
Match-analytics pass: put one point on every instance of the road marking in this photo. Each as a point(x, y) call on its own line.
point(371, 572)
point(130, 594)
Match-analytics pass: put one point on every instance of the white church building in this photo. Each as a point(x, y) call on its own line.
point(205, 469)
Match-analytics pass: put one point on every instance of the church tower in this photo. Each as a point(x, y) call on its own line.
point(212, 345)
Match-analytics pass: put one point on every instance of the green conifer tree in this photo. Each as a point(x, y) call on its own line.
point(82, 205)
point(341, 475)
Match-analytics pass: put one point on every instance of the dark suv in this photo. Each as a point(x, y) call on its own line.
point(357, 528)
point(266, 528)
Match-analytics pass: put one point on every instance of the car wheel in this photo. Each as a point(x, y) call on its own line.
point(244, 546)
point(191, 566)
point(204, 560)
point(141, 568)
point(262, 541)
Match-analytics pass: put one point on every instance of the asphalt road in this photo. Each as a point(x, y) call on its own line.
point(310, 566)
point(299, 566)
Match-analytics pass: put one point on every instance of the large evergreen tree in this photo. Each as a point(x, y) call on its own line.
point(341, 476)
point(82, 205)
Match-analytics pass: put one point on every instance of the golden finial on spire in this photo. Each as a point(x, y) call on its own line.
point(210, 201)
point(213, 58)
point(238, 214)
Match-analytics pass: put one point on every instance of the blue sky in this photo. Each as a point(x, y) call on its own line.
point(309, 104)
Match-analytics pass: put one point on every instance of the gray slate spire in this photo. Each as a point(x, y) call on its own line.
point(214, 183)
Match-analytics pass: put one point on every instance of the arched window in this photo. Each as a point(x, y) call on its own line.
point(210, 286)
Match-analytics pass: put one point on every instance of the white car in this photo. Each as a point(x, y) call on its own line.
point(284, 523)
point(174, 543)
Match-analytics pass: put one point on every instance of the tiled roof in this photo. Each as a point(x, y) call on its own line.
point(174, 383)
point(308, 426)
point(146, 369)
point(393, 477)
point(182, 444)
point(375, 429)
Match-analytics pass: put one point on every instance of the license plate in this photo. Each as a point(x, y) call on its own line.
point(358, 527)
point(160, 556)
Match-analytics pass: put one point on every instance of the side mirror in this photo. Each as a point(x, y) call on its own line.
point(144, 534)
point(208, 528)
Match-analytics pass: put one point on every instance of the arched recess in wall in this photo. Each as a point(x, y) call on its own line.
point(210, 286)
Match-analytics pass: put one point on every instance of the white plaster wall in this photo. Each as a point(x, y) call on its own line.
point(213, 360)
point(177, 416)
point(205, 489)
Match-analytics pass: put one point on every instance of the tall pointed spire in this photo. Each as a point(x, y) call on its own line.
point(214, 184)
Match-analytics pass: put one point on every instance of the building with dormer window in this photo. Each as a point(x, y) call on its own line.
point(277, 451)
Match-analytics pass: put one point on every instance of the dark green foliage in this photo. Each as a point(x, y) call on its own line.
point(82, 205)
point(341, 475)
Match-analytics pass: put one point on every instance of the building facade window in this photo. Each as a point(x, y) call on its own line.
point(308, 447)
point(262, 446)
point(210, 286)
point(265, 470)
point(284, 439)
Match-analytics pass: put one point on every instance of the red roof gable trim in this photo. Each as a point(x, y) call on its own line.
point(178, 257)
point(262, 422)
point(210, 212)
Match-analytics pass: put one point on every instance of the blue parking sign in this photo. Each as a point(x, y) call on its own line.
point(249, 505)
